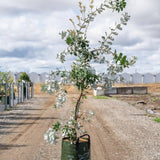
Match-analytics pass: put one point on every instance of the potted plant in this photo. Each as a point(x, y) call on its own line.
point(24, 77)
point(82, 74)
point(5, 77)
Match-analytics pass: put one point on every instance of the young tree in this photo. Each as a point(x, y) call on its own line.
point(82, 74)
point(5, 77)
point(24, 76)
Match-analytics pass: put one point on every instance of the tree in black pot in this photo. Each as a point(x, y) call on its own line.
point(83, 75)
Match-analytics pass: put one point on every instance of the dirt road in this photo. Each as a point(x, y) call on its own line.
point(119, 131)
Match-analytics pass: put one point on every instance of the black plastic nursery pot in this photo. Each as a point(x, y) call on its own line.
point(3, 99)
point(76, 151)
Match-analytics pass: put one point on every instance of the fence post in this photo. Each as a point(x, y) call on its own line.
point(142, 78)
point(154, 78)
point(32, 90)
point(5, 96)
point(17, 93)
point(12, 94)
point(9, 95)
point(22, 91)
point(131, 78)
point(26, 90)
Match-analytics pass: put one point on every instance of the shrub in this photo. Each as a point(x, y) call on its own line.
point(24, 76)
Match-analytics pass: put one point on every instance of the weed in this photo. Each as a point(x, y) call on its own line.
point(116, 98)
point(155, 99)
point(149, 94)
point(8, 109)
point(157, 120)
point(101, 97)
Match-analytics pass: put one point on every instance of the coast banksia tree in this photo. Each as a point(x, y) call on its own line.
point(82, 74)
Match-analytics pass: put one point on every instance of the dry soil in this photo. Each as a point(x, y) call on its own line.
point(119, 131)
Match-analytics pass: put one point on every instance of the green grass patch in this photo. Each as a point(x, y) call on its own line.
point(155, 99)
point(101, 97)
point(9, 109)
point(157, 120)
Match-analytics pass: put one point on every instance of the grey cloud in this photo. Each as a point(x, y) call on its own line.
point(31, 36)
point(144, 12)
point(36, 6)
point(23, 53)
point(125, 40)
point(152, 30)
point(147, 19)
point(12, 11)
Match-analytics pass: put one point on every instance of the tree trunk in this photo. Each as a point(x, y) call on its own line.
point(76, 111)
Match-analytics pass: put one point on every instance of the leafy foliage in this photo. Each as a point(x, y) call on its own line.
point(100, 97)
point(24, 76)
point(157, 120)
point(5, 77)
point(82, 74)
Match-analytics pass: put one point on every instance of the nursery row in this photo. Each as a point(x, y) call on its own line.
point(14, 93)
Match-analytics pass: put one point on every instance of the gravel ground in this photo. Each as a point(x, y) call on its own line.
point(118, 131)
point(139, 133)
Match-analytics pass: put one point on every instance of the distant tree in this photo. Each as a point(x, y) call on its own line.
point(6, 77)
point(24, 76)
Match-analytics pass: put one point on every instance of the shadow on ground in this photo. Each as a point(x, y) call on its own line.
point(9, 146)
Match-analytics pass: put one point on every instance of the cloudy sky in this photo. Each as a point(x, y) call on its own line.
point(29, 33)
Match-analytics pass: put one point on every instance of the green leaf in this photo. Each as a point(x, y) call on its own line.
point(63, 34)
point(57, 126)
point(68, 40)
point(103, 37)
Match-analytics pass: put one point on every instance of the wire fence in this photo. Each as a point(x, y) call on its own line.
point(15, 93)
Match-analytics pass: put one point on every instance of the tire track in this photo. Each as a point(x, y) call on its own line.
point(106, 145)
point(27, 138)
point(48, 104)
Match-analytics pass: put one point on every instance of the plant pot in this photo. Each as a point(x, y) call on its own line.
point(3, 99)
point(78, 151)
point(14, 95)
